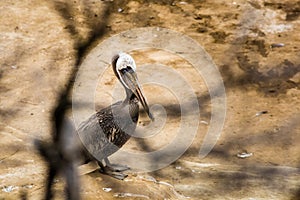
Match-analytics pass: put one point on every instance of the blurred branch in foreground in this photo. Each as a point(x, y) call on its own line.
point(61, 153)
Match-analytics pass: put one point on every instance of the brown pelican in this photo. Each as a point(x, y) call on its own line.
point(109, 129)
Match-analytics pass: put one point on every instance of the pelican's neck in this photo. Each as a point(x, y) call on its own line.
point(131, 103)
point(129, 96)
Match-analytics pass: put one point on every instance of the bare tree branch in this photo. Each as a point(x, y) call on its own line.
point(61, 154)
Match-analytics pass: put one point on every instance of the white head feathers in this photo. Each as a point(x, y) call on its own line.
point(124, 61)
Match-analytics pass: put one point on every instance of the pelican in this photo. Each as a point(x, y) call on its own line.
point(106, 131)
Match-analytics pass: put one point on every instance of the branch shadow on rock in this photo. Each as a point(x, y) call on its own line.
point(60, 154)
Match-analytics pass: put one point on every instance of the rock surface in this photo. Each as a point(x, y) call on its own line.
point(255, 45)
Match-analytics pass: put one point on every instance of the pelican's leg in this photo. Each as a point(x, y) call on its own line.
point(110, 171)
point(102, 167)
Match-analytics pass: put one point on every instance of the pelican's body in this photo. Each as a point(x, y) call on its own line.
point(109, 129)
point(105, 133)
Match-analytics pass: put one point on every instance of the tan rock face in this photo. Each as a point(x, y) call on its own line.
point(38, 43)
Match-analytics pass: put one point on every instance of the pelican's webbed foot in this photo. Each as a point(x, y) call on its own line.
point(113, 170)
point(116, 167)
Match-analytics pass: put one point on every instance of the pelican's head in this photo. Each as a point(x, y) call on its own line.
point(124, 68)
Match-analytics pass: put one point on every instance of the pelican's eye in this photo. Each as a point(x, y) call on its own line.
point(127, 69)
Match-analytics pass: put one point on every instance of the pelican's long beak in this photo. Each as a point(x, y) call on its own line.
point(131, 80)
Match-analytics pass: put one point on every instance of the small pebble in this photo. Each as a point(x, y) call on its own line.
point(277, 45)
point(183, 3)
point(126, 194)
point(56, 181)
point(14, 67)
point(106, 189)
point(178, 167)
point(28, 186)
point(244, 155)
point(261, 113)
point(120, 10)
point(204, 122)
point(9, 188)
